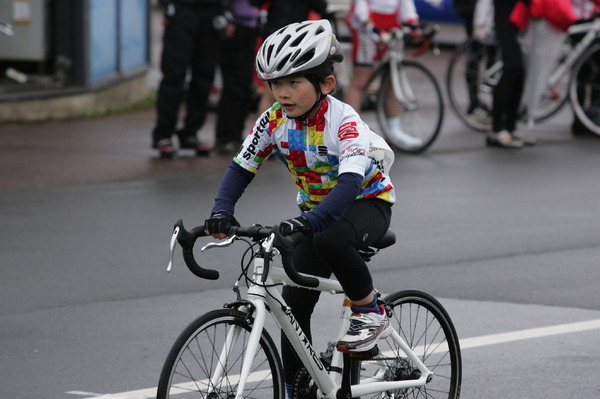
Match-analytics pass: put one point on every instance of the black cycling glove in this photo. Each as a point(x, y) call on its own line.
point(290, 226)
point(220, 222)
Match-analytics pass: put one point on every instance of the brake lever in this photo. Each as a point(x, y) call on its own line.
point(172, 246)
point(222, 244)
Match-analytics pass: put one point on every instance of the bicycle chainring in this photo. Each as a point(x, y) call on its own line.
point(304, 386)
point(214, 395)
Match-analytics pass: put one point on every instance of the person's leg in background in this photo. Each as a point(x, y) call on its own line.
point(175, 60)
point(204, 62)
point(509, 90)
point(237, 68)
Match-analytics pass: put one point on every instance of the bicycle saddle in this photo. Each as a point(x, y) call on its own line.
point(388, 239)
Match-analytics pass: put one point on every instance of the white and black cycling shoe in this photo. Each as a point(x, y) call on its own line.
point(364, 331)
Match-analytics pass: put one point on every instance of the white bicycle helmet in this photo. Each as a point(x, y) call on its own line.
point(301, 47)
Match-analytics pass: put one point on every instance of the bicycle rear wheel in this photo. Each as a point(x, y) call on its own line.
point(199, 352)
point(473, 73)
point(584, 89)
point(426, 327)
point(416, 105)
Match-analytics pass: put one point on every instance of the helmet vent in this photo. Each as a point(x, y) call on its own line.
point(298, 40)
point(305, 58)
point(296, 53)
point(283, 62)
point(269, 52)
point(283, 43)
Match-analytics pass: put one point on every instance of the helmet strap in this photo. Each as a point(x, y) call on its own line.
point(316, 105)
point(305, 115)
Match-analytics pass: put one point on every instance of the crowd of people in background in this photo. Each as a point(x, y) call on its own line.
point(203, 36)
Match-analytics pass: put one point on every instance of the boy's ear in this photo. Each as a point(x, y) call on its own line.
point(328, 84)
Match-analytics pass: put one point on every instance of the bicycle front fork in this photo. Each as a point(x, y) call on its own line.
point(400, 84)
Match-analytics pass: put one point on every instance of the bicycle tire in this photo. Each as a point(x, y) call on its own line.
point(464, 69)
point(427, 328)
point(584, 89)
point(192, 360)
point(472, 76)
point(421, 117)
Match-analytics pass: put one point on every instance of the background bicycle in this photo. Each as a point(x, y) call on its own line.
point(404, 87)
point(475, 69)
point(226, 352)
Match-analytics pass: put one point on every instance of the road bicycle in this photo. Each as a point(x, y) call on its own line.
point(405, 88)
point(228, 353)
point(475, 69)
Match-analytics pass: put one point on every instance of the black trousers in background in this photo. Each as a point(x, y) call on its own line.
point(509, 90)
point(190, 43)
point(334, 250)
point(236, 62)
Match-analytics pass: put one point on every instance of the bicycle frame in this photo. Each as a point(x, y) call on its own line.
point(393, 60)
point(592, 30)
point(263, 293)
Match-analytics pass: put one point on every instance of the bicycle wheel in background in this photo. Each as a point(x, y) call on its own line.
point(411, 119)
point(473, 73)
point(584, 89)
point(471, 78)
point(426, 327)
point(199, 351)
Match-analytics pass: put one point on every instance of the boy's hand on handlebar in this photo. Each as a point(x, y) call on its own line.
point(295, 225)
point(219, 223)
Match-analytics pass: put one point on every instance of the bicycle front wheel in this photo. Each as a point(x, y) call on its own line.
point(584, 89)
point(471, 78)
point(426, 327)
point(206, 361)
point(410, 107)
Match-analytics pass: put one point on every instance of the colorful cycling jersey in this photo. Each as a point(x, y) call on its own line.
point(333, 142)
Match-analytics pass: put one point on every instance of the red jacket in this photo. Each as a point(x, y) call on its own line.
point(559, 13)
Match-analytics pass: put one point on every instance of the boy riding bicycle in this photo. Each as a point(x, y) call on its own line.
point(344, 195)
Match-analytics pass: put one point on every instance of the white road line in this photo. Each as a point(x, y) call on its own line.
point(467, 343)
point(530, 333)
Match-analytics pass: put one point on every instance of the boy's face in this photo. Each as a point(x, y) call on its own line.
point(295, 94)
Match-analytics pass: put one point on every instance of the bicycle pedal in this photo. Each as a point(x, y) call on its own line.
point(366, 355)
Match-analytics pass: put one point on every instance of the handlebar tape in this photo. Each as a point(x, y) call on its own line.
point(187, 239)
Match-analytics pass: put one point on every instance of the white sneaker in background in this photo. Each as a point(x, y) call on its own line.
point(398, 137)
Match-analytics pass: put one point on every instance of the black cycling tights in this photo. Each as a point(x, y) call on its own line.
point(335, 250)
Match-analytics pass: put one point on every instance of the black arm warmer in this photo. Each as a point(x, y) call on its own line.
point(232, 187)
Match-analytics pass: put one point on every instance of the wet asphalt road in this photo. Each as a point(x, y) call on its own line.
point(509, 240)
